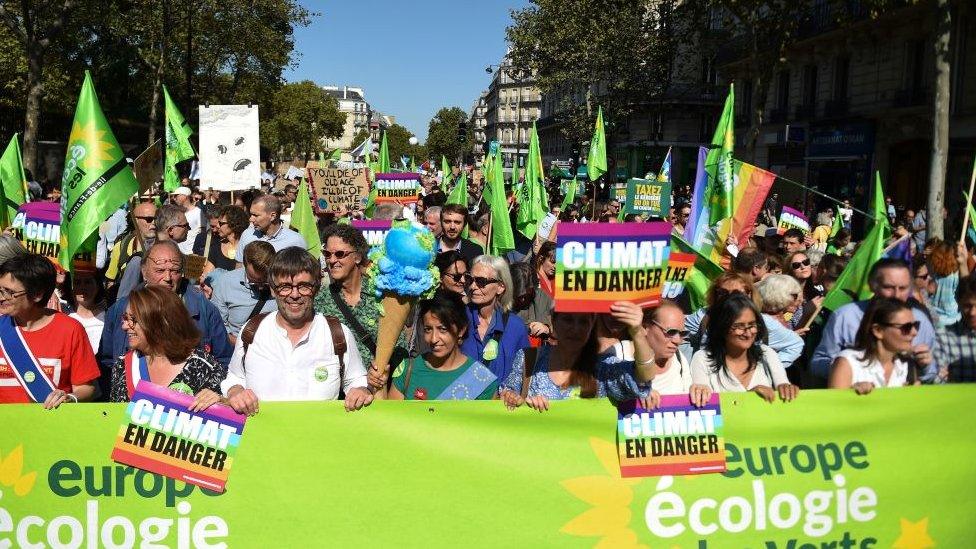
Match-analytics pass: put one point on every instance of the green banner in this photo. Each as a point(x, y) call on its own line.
point(833, 469)
point(648, 197)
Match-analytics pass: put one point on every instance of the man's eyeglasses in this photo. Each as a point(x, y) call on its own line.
point(182, 225)
point(671, 333)
point(479, 281)
point(905, 328)
point(304, 289)
point(923, 276)
point(339, 254)
point(798, 264)
point(6, 294)
point(146, 218)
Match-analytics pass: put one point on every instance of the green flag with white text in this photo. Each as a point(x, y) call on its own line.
point(178, 146)
point(718, 165)
point(570, 194)
point(596, 161)
point(97, 180)
point(304, 222)
point(501, 240)
point(14, 182)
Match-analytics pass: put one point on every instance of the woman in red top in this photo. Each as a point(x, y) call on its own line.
point(36, 341)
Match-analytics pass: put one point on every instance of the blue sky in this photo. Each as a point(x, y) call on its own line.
point(412, 57)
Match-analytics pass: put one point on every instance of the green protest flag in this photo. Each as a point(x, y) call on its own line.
point(702, 274)
point(384, 166)
point(304, 222)
point(459, 195)
point(718, 164)
point(413, 166)
point(446, 168)
point(570, 195)
point(97, 179)
point(178, 146)
point(536, 205)
point(336, 155)
point(596, 161)
point(370, 202)
point(852, 285)
point(14, 182)
point(835, 228)
point(501, 240)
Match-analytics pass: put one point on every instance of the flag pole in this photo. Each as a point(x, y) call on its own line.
point(488, 239)
point(972, 182)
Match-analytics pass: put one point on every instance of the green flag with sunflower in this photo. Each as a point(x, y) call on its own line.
point(97, 180)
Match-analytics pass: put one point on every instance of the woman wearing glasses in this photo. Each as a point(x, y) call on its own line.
point(734, 359)
point(454, 272)
point(162, 349)
point(801, 269)
point(882, 354)
point(347, 296)
point(495, 336)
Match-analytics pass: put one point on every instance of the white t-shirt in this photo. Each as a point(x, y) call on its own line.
point(93, 327)
point(193, 218)
point(845, 214)
point(873, 372)
point(309, 370)
point(724, 382)
point(676, 380)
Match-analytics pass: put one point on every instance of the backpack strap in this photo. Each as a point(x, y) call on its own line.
point(338, 344)
point(249, 330)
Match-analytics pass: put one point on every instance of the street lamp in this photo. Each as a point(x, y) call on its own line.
point(413, 140)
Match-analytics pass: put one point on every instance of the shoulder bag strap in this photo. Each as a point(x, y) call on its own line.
point(338, 344)
point(351, 320)
point(259, 305)
point(248, 331)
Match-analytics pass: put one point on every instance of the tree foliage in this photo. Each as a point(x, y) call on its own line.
point(442, 135)
point(616, 53)
point(227, 52)
point(301, 115)
point(398, 143)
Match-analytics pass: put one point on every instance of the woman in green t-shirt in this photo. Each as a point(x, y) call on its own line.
point(443, 373)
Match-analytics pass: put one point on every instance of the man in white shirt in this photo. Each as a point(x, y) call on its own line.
point(292, 354)
point(181, 197)
point(266, 224)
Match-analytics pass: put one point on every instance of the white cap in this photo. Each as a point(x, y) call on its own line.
point(185, 191)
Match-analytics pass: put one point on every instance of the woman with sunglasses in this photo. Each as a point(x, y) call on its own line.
point(231, 223)
point(162, 349)
point(657, 334)
point(734, 359)
point(495, 336)
point(801, 268)
point(882, 353)
point(347, 297)
point(921, 281)
point(454, 272)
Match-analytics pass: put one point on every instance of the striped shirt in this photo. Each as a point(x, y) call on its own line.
point(955, 349)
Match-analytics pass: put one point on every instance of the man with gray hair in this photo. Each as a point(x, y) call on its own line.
point(164, 267)
point(267, 225)
point(432, 220)
point(171, 225)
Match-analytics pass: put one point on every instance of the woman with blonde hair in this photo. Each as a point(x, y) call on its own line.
point(162, 349)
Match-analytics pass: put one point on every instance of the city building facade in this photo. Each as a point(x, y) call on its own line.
point(511, 104)
point(352, 101)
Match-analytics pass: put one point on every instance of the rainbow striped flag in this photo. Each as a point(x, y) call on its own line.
point(158, 434)
point(750, 185)
point(677, 438)
point(598, 264)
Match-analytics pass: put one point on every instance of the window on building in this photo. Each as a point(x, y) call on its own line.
point(810, 85)
point(842, 77)
point(915, 67)
point(783, 90)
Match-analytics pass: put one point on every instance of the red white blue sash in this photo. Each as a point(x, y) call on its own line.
point(136, 369)
point(22, 361)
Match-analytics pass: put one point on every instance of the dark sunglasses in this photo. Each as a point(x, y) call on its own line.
point(146, 218)
point(339, 254)
point(479, 281)
point(672, 332)
point(905, 328)
point(456, 277)
point(798, 264)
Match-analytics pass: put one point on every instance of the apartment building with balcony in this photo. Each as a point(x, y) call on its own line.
point(512, 103)
point(352, 101)
point(479, 123)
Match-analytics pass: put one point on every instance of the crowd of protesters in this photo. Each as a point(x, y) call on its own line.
point(264, 320)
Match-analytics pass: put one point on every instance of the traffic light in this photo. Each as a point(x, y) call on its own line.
point(574, 159)
point(462, 133)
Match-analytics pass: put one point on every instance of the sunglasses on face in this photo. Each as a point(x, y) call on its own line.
point(339, 254)
point(798, 264)
point(480, 281)
point(672, 333)
point(456, 277)
point(146, 218)
point(905, 328)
